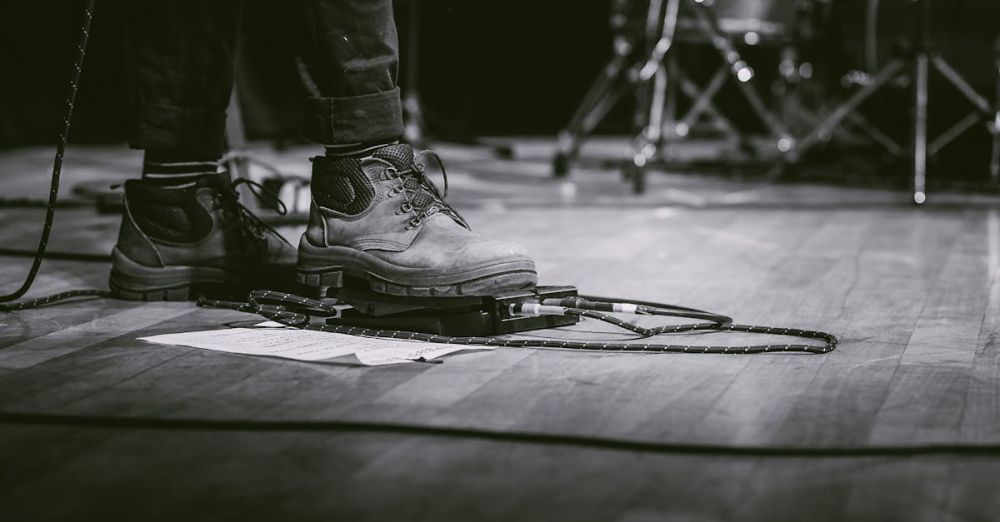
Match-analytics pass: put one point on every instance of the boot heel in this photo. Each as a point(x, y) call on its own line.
point(323, 281)
point(182, 293)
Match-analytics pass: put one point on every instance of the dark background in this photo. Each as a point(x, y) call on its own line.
point(487, 67)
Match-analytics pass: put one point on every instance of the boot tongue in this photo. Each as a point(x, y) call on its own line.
point(399, 155)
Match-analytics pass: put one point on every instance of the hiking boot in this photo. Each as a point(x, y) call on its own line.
point(380, 219)
point(180, 241)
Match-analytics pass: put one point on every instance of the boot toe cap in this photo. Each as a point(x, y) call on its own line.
point(497, 251)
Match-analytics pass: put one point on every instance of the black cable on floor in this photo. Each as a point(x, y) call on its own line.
point(41, 203)
point(61, 298)
point(50, 209)
point(517, 437)
point(58, 256)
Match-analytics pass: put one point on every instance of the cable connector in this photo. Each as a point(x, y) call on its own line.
point(534, 309)
point(584, 304)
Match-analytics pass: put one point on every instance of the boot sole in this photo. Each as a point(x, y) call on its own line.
point(326, 267)
point(133, 281)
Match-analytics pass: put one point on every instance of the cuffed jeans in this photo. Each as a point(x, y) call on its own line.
point(184, 54)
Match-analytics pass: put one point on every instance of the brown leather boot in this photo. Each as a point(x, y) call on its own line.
point(177, 242)
point(379, 218)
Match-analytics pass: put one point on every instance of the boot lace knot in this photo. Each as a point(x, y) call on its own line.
point(252, 228)
point(420, 195)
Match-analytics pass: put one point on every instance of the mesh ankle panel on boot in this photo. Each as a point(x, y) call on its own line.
point(165, 214)
point(341, 185)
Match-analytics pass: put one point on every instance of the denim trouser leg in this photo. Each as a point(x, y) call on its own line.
point(183, 53)
point(183, 58)
point(351, 53)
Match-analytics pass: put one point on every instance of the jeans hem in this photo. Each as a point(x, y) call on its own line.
point(370, 118)
point(171, 128)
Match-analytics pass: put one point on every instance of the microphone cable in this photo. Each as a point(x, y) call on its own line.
point(53, 199)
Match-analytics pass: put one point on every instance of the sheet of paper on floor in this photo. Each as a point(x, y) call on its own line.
point(308, 345)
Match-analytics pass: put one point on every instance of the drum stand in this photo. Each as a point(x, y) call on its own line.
point(995, 127)
point(920, 60)
point(648, 77)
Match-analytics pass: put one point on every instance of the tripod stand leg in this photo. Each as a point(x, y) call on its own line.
point(919, 149)
point(876, 134)
point(963, 86)
point(598, 101)
point(701, 102)
point(983, 109)
point(995, 150)
point(744, 74)
point(670, 129)
point(718, 120)
point(953, 132)
point(995, 153)
point(826, 127)
point(645, 145)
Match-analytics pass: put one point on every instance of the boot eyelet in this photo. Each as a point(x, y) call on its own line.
point(406, 207)
point(413, 223)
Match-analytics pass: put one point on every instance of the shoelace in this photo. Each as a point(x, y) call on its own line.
point(252, 227)
point(422, 186)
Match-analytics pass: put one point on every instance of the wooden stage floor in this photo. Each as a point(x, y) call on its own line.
point(913, 293)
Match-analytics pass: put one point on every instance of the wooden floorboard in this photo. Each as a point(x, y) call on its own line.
point(914, 295)
point(928, 387)
point(234, 476)
point(981, 406)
